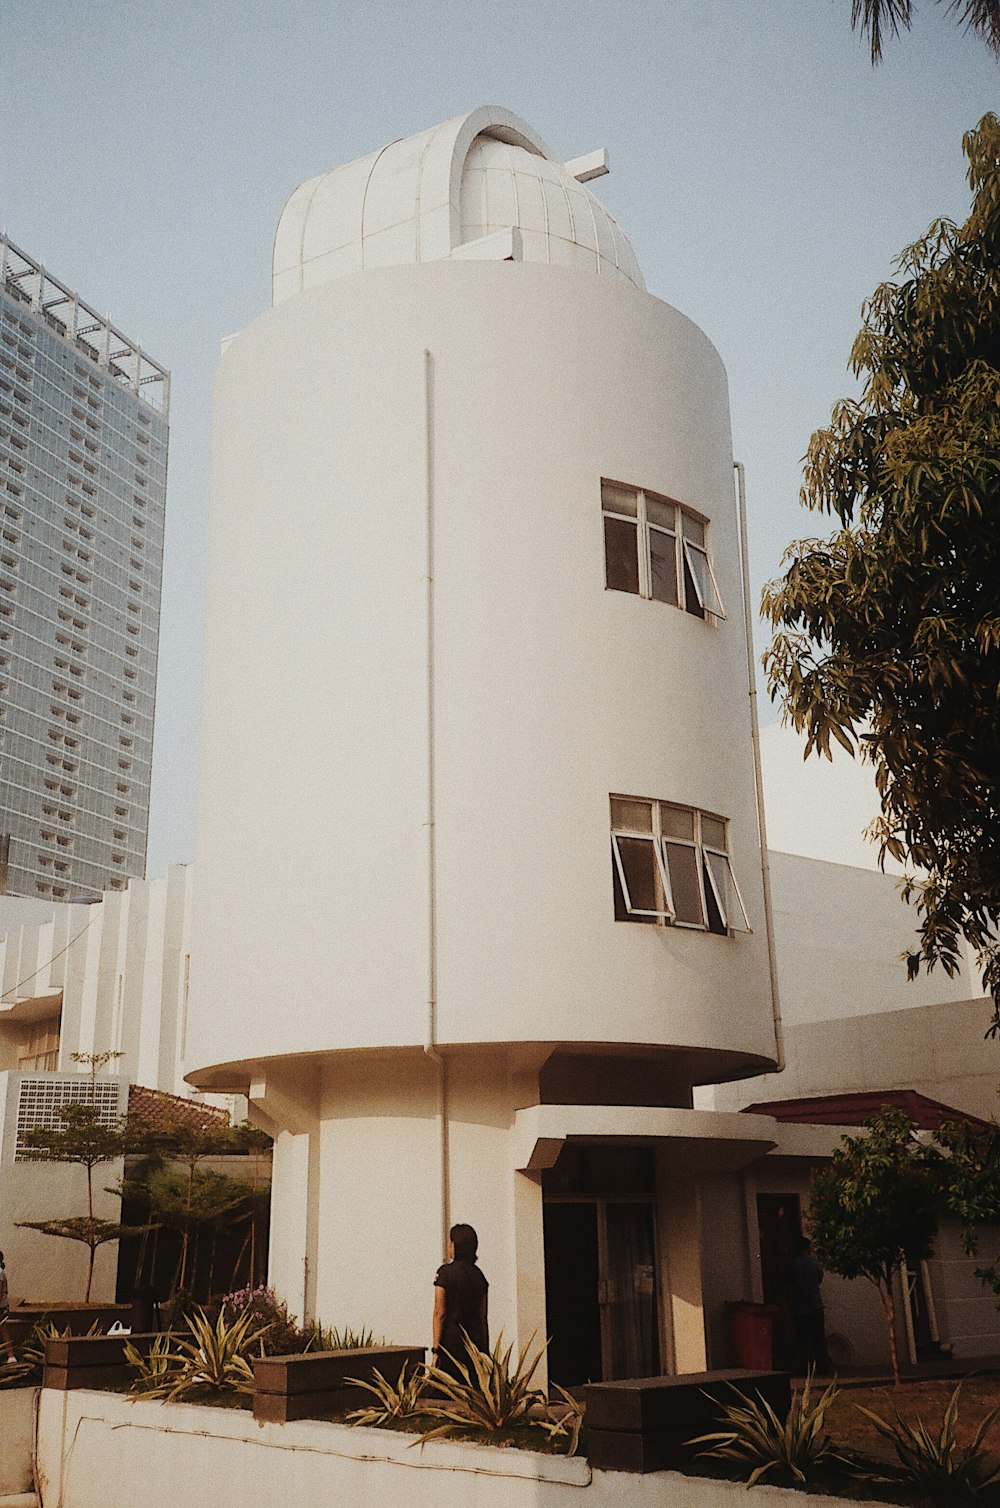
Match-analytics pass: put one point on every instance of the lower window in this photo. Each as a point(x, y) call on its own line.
point(671, 866)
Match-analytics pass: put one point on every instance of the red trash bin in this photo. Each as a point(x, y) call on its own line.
point(751, 1334)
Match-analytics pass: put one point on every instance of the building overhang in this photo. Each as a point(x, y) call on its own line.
point(705, 1141)
point(28, 1008)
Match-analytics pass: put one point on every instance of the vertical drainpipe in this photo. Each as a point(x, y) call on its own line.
point(430, 1044)
point(772, 958)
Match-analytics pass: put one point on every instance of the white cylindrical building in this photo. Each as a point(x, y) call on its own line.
point(479, 891)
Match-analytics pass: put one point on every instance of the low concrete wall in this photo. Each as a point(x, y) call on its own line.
point(17, 1441)
point(94, 1448)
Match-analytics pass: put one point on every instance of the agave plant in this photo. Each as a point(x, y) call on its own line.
point(564, 1429)
point(157, 1371)
point(395, 1401)
point(33, 1350)
point(936, 1463)
point(754, 1435)
point(487, 1397)
point(331, 1338)
point(214, 1360)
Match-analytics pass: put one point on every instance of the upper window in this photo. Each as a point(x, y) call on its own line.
point(657, 549)
point(670, 864)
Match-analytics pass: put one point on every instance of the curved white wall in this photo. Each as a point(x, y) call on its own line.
point(311, 911)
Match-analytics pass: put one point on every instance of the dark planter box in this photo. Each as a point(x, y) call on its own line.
point(644, 1424)
point(79, 1318)
point(313, 1384)
point(91, 1361)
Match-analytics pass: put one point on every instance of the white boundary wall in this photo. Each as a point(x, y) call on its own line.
point(98, 1450)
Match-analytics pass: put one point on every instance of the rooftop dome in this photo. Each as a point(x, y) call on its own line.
point(480, 185)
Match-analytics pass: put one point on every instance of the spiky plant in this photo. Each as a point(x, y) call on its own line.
point(564, 1428)
point(157, 1371)
point(33, 1350)
point(394, 1401)
point(216, 1359)
point(331, 1338)
point(488, 1396)
point(754, 1435)
point(936, 1463)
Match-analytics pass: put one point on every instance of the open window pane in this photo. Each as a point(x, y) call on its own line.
point(663, 566)
point(631, 816)
point(702, 577)
point(638, 882)
point(685, 886)
point(727, 896)
point(621, 555)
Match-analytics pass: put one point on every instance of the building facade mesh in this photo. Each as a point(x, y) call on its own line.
point(83, 466)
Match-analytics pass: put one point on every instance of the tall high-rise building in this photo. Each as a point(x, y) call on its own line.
point(83, 467)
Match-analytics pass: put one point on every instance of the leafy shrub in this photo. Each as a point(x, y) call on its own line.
point(754, 1435)
point(394, 1402)
point(280, 1333)
point(937, 1464)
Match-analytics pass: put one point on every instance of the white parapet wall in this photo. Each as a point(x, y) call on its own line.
point(95, 1449)
point(17, 1443)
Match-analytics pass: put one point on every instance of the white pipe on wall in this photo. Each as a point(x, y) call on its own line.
point(772, 957)
point(430, 1044)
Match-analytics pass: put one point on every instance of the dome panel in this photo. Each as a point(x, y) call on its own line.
point(421, 198)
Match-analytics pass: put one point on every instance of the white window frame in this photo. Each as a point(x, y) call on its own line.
point(655, 839)
point(703, 851)
point(644, 526)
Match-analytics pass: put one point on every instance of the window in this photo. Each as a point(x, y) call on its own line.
point(671, 866)
point(656, 548)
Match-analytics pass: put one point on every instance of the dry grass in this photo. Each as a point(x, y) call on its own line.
point(914, 1400)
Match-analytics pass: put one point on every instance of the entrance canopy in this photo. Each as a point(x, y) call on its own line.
point(705, 1141)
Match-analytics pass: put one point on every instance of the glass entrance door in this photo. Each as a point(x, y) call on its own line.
point(631, 1323)
point(602, 1310)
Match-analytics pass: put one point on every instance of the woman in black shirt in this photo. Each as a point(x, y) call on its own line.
point(461, 1295)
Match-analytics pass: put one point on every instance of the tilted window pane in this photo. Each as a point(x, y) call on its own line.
point(723, 883)
point(693, 529)
point(619, 499)
point(631, 816)
point(676, 821)
point(713, 833)
point(638, 872)
point(621, 555)
point(704, 580)
point(692, 600)
point(658, 511)
point(682, 867)
point(663, 566)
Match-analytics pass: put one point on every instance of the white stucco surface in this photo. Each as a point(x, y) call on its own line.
point(314, 745)
point(95, 1447)
point(17, 1442)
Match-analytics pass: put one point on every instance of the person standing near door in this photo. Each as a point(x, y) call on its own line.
point(804, 1276)
point(461, 1295)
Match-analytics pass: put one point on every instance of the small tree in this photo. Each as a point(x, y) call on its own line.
point(82, 1138)
point(889, 628)
point(874, 1206)
point(194, 1199)
point(969, 1178)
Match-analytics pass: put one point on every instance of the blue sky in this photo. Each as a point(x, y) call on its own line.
point(764, 172)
